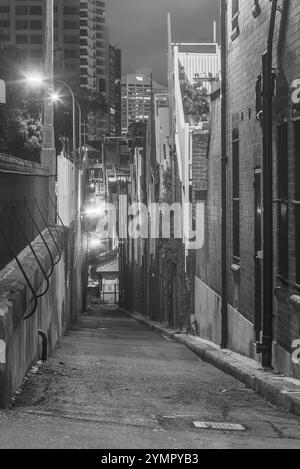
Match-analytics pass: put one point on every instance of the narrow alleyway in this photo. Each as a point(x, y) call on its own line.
point(114, 383)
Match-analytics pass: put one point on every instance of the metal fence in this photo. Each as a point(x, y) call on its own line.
point(24, 205)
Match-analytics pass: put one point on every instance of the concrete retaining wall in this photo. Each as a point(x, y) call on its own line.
point(208, 317)
point(20, 345)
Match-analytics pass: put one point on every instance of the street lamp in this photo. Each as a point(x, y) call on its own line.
point(39, 80)
point(48, 153)
point(73, 112)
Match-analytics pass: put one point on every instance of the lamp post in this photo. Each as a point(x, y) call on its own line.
point(80, 126)
point(49, 115)
point(73, 111)
point(48, 153)
point(74, 104)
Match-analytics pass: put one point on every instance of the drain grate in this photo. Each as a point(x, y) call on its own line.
point(233, 427)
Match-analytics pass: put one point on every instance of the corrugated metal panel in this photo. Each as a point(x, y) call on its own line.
point(197, 65)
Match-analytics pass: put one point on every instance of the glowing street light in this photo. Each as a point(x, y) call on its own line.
point(96, 211)
point(55, 97)
point(37, 79)
point(95, 243)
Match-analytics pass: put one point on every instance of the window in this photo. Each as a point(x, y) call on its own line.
point(36, 39)
point(21, 39)
point(71, 54)
point(35, 53)
point(70, 25)
point(282, 183)
point(21, 24)
point(36, 10)
point(297, 199)
point(36, 25)
point(235, 19)
point(71, 39)
point(22, 10)
point(102, 85)
point(236, 195)
point(69, 10)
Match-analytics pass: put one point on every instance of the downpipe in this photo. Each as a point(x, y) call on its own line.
point(265, 348)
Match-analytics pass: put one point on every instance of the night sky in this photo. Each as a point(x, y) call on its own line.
point(140, 29)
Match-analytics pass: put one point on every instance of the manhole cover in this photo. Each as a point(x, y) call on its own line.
point(234, 427)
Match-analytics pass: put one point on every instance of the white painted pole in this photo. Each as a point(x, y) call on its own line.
point(48, 153)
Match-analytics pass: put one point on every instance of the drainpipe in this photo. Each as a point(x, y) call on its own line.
point(224, 338)
point(283, 86)
point(268, 90)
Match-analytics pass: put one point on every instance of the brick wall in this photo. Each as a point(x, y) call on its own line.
point(208, 259)
point(244, 65)
point(199, 142)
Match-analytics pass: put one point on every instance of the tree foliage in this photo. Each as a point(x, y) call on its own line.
point(20, 118)
point(91, 102)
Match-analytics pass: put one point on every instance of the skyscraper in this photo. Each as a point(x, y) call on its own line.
point(115, 76)
point(80, 44)
point(137, 92)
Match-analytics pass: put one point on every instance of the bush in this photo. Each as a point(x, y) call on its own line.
point(195, 101)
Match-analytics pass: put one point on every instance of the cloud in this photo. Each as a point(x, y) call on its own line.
point(140, 28)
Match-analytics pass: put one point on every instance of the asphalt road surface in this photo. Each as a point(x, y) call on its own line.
point(113, 383)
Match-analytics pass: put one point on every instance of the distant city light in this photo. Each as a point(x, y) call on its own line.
point(35, 79)
point(95, 243)
point(95, 211)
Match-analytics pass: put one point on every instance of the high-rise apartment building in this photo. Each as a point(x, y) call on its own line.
point(94, 61)
point(115, 76)
point(80, 44)
point(137, 90)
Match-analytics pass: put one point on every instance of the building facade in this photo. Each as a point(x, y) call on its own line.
point(199, 63)
point(247, 31)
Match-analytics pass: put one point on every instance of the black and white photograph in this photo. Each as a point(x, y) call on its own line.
point(149, 229)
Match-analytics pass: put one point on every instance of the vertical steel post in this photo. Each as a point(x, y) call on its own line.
point(224, 337)
point(48, 153)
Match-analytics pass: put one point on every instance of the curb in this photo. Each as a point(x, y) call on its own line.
point(280, 390)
